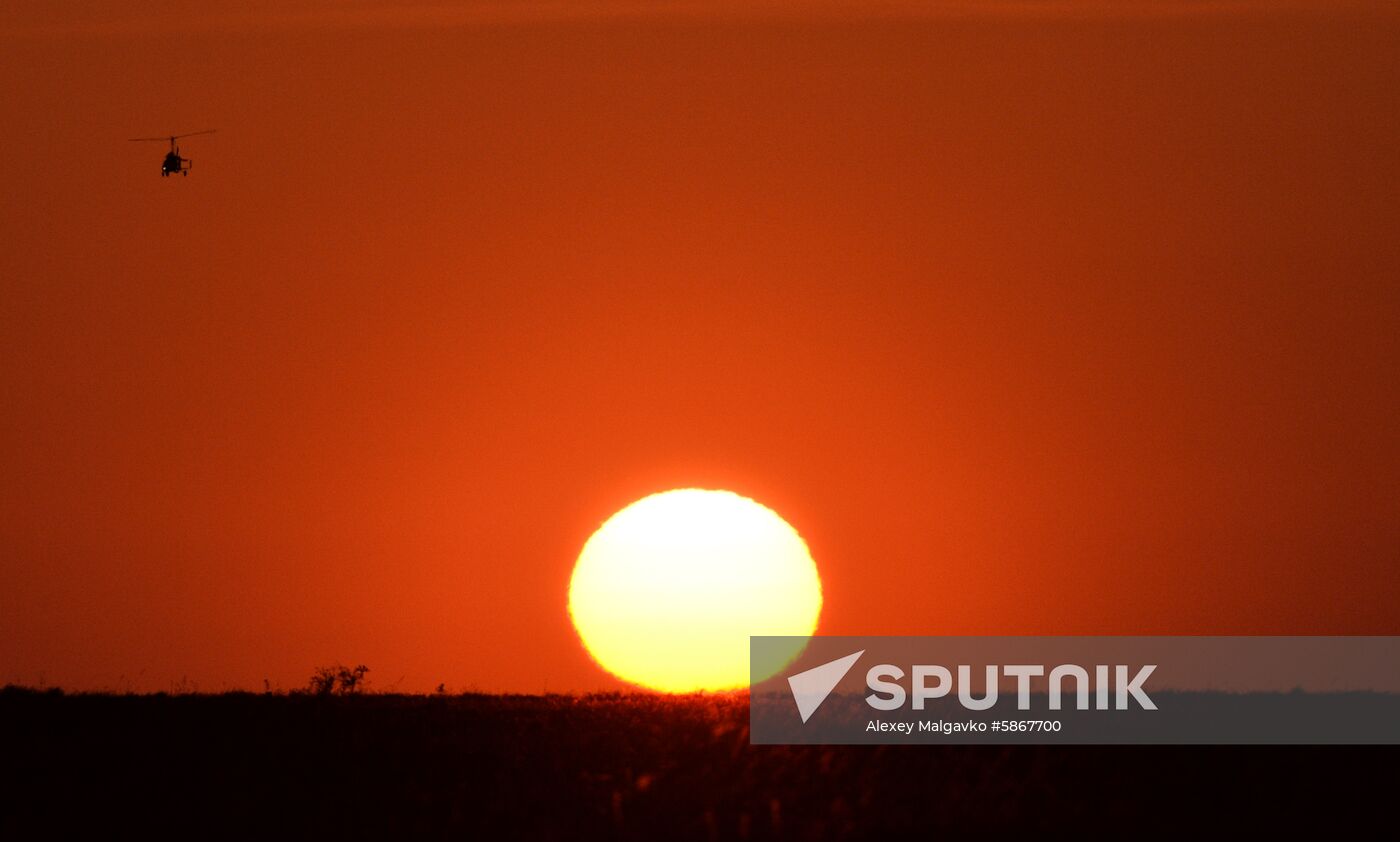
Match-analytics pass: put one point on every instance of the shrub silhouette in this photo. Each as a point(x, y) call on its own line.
point(338, 680)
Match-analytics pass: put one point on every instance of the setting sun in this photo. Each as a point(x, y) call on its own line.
point(667, 592)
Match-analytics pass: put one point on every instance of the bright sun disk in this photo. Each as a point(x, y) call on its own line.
point(667, 591)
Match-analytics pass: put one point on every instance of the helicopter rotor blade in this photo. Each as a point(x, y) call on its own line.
point(171, 137)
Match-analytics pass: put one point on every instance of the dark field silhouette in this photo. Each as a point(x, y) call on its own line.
point(610, 766)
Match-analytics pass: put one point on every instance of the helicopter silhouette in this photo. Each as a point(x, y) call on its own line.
point(173, 163)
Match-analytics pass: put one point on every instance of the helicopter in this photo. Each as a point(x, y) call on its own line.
point(173, 163)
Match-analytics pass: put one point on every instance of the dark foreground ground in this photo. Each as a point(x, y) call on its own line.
point(633, 767)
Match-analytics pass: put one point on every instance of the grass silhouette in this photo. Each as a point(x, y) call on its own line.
point(629, 766)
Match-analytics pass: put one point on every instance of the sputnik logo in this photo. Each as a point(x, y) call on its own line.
point(810, 688)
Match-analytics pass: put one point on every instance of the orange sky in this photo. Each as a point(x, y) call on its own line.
point(1082, 319)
